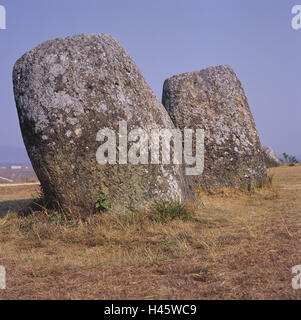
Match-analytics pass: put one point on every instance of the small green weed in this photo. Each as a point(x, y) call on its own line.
point(100, 204)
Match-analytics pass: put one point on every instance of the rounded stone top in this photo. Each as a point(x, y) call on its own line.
point(221, 70)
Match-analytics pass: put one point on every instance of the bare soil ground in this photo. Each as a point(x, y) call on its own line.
point(237, 245)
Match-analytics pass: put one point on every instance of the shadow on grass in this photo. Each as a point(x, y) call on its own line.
point(21, 207)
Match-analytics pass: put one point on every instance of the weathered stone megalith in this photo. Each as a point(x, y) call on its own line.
point(270, 157)
point(214, 100)
point(66, 90)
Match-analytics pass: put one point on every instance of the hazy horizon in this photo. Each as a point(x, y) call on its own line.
point(172, 37)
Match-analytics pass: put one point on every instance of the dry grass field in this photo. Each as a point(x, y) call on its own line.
point(236, 245)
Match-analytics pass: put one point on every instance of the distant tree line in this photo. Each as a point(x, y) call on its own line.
point(289, 159)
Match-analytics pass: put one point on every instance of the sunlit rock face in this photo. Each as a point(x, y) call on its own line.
point(66, 90)
point(214, 100)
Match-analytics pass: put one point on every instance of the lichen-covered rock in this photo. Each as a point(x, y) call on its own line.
point(214, 100)
point(270, 157)
point(66, 90)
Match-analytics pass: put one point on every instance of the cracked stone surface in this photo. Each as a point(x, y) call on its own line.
point(214, 100)
point(68, 89)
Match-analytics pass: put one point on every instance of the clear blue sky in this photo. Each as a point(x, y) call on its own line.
point(168, 37)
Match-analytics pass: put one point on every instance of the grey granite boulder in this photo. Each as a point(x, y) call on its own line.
point(214, 100)
point(270, 157)
point(66, 90)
